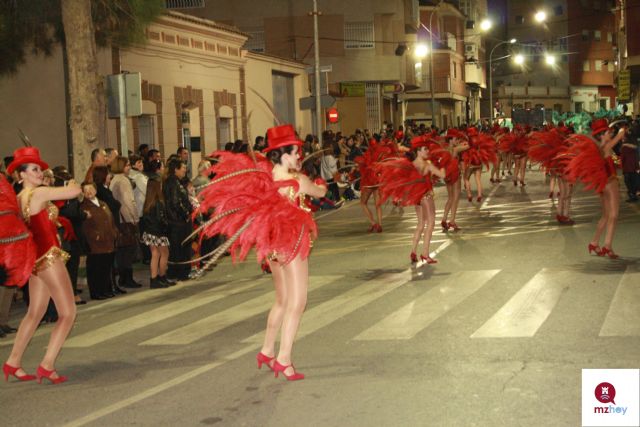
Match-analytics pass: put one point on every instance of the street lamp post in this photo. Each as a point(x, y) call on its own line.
point(433, 101)
point(491, 76)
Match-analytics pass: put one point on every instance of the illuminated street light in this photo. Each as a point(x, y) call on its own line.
point(486, 25)
point(540, 16)
point(550, 59)
point(512, 41)
point(421, 50)
point(518, 59)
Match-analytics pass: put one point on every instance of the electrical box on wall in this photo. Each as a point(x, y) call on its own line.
point(131, 87)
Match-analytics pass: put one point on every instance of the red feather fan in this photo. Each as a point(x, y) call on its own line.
point(17, 249)
point(402, 183)
point(482, 150)
point(586, 163)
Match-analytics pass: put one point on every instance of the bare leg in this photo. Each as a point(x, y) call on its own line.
point(59, 285)
point(562, 185)
point(552, 185)
point(164, 260)
point(523, 168)
point(456, 199)
point(364, 199)
point(449, 203)
point(428, 207)
point(276, 314)
point(566, 206)
point(478, 173)
point(38, 300)
point(612, 207)
point(296, 275)
point(419, 228)
point(155, 259)
point(376, 196)
point(603, 220)
point(467, 183)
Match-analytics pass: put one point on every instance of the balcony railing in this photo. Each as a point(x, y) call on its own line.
point(534, 91)
point(440, 84)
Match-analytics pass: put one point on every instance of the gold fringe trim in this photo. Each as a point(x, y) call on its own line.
point(53, 254)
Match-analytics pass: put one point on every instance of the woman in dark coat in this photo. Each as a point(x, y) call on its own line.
point(178, 209)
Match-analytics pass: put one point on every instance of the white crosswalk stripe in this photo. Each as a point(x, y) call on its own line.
point(406, 322)
point(223, 319)
point(623, 317)
point(528, 309)
point(163, 312)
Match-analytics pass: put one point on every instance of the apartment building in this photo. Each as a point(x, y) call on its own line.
point(627, 54)
point(592, 37)
point(541, 80)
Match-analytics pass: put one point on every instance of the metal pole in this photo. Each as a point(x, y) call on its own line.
point(433, 101)
point(316, 48)
point(124, 146)
point(491, 77)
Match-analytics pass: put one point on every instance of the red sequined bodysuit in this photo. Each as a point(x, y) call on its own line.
point(45, 235)
point(610, 167)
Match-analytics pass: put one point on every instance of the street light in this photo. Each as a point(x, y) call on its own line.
point(550, 59)
point(512, 41)
point(518, 59)
point(421, 50)
point(433, 101)
point(540, 16)
point(486, 25)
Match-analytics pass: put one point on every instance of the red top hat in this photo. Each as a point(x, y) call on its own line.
point(419, 141)
point(599, 126)
point(281, 136)
point(26, 155)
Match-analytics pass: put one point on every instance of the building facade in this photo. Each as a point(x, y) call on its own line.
point(627, 54)
point(369, 47)
point(199, 89)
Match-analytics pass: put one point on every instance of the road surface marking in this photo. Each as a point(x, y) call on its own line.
point(623, 318)
point(406, 322)
point(158, 314)
point(225, 318)
point(528, 309)
point(337, 307)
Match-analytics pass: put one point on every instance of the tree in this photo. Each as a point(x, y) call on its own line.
point(36, 26)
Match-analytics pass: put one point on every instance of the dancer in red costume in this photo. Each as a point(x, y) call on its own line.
point(482, 150)
point(592, 163)
point(457, 144)
point(49, 278)
point(550, 148)
point(515, 145)
point(497, 133)
point(261, 203)
point(410, 183)
point(369, 181)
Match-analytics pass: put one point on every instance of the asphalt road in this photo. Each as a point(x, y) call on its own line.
point(494, 334)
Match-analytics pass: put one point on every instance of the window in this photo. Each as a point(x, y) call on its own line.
point(598, 65)
point(597, 35)
point(585, 66)
point(255, 42)
point(358, 35)
point(519, 19)
point(455, 70)
point(610, 37)
point(578, 107)
point(611, 66)
point(558, 10)
point(557, 108)
point(603, 103)
point(539, 106)
point(585, 35)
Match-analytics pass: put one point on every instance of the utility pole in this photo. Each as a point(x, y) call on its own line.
point(316, 48)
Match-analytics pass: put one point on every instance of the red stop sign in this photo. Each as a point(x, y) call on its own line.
point(332, 115)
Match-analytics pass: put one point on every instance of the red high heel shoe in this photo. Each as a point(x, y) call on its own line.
point(378, 228)
point(551, 195)
point(594, 248)
point(479, 199)
point(11, 370)
point(445, 226)
point(522, 184)
point(43, 373)
point(608, 252)
point(372, 228)
point(414, 258)
point(277, 368)
point(469, 198)
point(263, 358)
point(428, 259)
point(454, 226)
point(515, 183)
